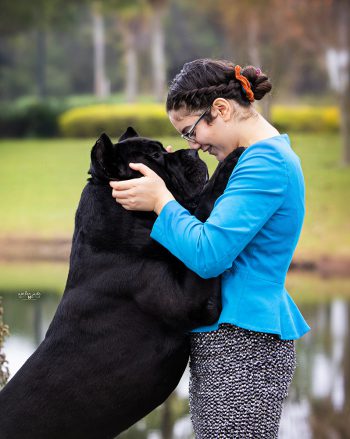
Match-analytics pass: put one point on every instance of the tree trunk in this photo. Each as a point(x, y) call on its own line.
point(345, 124)
point(167, 423)
point(41, 62)
point(344, 19)
point(158, 53)
point(254, 56)
point(101, 83)
point(131, 66)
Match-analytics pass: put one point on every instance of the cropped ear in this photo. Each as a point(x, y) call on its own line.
point(103, 146)
point(100, 155)
point(130, 132)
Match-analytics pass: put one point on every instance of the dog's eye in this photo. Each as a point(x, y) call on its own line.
point(155, 155)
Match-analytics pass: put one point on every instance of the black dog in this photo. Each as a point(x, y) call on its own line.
point(118, 343)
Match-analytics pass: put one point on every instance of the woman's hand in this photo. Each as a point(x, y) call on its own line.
point(146, 193)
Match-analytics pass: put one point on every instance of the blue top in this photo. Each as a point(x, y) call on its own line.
point(249, 238)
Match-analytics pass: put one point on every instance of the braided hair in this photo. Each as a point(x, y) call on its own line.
point(201, 81)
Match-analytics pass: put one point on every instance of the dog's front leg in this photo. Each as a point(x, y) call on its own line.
point(184, 302)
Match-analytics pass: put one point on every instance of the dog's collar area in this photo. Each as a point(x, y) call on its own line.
point(94, 179)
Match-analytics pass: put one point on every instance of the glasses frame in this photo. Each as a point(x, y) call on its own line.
point(188, 136)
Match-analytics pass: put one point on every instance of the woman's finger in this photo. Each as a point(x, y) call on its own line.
point(145, 170)
point(122, 185)
point(121, 194)
point(169, 148)
point(127, 204)
point(124, 202)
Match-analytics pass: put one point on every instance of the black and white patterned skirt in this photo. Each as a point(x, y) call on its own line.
point(238, 381)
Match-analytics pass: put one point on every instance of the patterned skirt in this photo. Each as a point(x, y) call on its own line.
point(238, 381)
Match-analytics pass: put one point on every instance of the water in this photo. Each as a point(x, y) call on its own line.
point(318, 404)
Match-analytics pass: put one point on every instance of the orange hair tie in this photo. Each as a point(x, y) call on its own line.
point(245, 83)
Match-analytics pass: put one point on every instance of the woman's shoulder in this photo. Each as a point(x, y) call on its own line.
point(271, 160)
point(269, 150)
point(272, 151)
point(279, 143)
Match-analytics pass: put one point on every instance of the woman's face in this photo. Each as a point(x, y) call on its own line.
point(216, 138)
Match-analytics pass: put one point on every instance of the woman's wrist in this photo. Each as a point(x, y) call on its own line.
point(163, 200)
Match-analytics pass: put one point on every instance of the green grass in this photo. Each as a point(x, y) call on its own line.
point(311, 288)
point(40, 277)
point(41, 182)
point(326, 228)
point(47, 277)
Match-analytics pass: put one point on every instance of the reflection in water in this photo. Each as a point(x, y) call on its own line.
point(322, 381)
point(339, 327)
point(318, 404)
point(295, 419)
point(182, 428)
point(328, 376)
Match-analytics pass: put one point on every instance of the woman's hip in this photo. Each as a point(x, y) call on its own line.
point(238, 381)
point(238, 356)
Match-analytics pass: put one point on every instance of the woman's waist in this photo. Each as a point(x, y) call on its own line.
point(238, 276)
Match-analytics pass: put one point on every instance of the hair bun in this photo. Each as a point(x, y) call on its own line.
point(260, 83)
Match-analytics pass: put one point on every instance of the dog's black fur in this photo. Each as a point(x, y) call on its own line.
point(118, 343)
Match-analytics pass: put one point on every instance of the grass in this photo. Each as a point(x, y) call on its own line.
point(326, 228)
point(40, 277)
point(41, 182)
point(51, 277)
point(311, 288)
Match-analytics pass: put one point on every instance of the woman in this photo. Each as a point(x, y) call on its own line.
point(240, 367)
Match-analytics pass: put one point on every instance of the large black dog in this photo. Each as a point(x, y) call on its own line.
point(118, 343)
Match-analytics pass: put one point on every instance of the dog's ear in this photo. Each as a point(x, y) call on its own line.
point(102, 148)
point(130, 132)
point(100, 154)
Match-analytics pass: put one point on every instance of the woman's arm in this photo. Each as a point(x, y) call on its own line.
point(254, 192)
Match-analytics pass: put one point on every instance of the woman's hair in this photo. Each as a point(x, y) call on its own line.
point(201, 81)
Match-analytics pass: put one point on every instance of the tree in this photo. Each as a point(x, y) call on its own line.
point(39, 15)
point(158, 9)
point(344, 43)
point(130, 20)
point(258, 35)
point(324, 27)
point(101, 83)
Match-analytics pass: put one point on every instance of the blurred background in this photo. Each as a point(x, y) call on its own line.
point(71, 70)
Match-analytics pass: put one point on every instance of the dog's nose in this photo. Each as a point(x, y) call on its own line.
point(193, 153)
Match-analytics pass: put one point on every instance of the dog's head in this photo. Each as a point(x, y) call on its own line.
point(183, 172)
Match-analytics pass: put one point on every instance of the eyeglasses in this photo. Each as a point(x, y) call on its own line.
point(189, 135)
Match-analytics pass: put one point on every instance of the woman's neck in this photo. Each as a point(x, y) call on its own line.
point(254, 129)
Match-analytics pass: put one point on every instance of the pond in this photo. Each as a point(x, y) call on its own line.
point(318, 404)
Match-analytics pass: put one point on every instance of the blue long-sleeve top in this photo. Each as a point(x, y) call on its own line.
point(249, 238)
